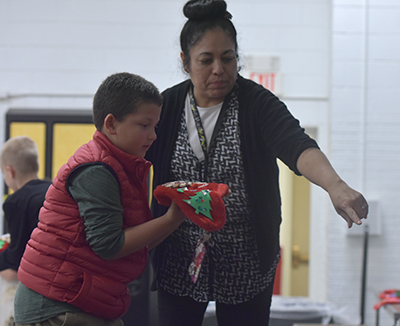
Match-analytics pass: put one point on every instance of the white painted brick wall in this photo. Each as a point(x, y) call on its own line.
point(365, 125)
point(84, 42)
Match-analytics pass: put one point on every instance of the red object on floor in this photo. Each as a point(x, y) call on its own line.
point(391, 296)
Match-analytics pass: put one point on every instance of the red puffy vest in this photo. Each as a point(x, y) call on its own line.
point(59, 264)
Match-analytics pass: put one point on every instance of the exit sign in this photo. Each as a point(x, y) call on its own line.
point(264, 70)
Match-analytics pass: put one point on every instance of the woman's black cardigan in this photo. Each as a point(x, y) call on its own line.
point(268, 131)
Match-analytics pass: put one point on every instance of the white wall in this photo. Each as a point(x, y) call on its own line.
point(341, 74)
point(70, 46)
point(365, 124)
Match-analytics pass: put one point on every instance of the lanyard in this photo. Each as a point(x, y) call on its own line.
point(199, 125)
point(200, 251)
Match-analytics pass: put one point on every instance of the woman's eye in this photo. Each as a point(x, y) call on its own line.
point(229, 59)
point(205, 61)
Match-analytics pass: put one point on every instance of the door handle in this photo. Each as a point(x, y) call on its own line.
point(297, 257)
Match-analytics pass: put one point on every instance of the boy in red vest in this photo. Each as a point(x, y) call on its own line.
point(95, 227)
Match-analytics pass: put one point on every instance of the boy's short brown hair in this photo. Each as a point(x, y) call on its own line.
point(121, 94)
point(21, 153)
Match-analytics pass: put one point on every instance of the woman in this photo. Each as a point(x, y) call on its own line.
point(219, 127)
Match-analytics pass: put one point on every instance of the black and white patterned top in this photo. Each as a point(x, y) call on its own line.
point(230, 273)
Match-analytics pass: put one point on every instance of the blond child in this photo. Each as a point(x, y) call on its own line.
point(19, 166)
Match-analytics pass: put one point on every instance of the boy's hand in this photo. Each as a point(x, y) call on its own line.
point(176, 213)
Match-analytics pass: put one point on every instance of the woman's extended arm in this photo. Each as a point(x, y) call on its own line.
point(348, 203)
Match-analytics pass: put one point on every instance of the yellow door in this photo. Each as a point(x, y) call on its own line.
point(295, 193)
point(300, 236)
point(57, 134)
point(67, 138)
point(56, 141)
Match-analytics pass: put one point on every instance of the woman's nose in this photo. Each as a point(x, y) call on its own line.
point(218, 67)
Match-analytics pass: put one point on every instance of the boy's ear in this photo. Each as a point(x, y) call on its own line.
point(110, 123)
point(11, 170)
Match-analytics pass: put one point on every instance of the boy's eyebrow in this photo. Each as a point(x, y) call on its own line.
point(147, 119)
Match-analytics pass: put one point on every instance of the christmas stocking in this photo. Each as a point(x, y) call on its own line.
point(201, 202)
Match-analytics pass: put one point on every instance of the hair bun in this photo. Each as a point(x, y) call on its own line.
point(206, 9)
